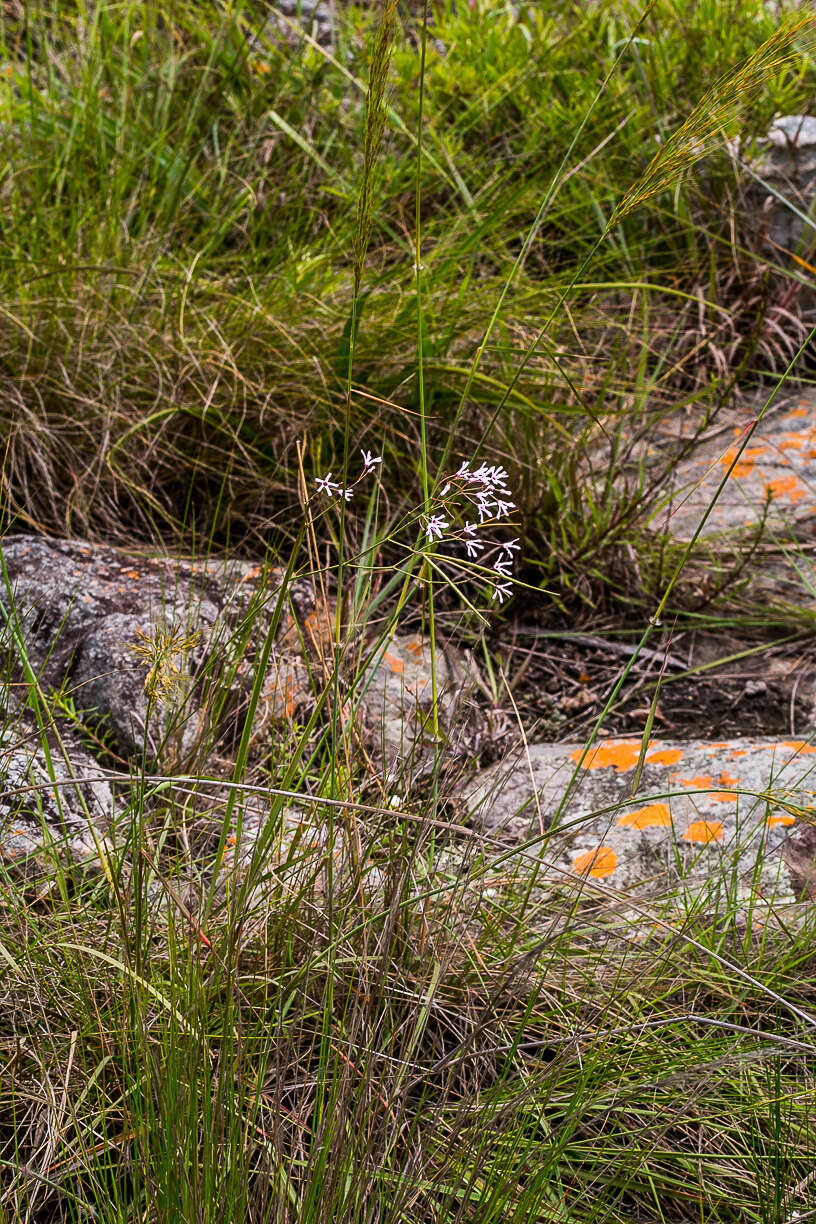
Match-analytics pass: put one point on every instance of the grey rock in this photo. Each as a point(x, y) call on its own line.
point(397, 702)
point(76, 610)
point(55, 798)
point(738, 815)
point(786, 164)
point(315, 18)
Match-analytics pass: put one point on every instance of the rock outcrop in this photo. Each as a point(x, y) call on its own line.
point(737, 815)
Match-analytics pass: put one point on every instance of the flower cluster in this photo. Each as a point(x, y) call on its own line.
point(467, 501)
point(486, 495)
point(330, 487)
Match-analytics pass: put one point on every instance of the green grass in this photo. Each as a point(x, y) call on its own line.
point(209, 299)
point(178, 237)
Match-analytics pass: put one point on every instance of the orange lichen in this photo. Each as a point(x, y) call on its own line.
point(701, 782)
point(801, 746)
point(789, 488)
point(414, 646)
point(618, 754)
point(598, 863)
point(745, 464)
point(738, 752)
point(800, 412)
point(656, 815)
point(785, 819)
point(704, 831)
point(727, 779)
point(396, 665)
point(665, 756)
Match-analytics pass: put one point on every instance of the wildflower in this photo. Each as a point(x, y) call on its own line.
point(326, 485)
point(503, 508)
point(484, 506)
point(435, 526)
point(511, 546)
point(347, 493)
point(369, 461)
point(501, 567)
point(473, 547)
point(492, 477)
point(502, 591)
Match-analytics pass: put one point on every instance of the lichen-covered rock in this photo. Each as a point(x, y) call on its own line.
point(87, 614)
point(56, 798)
point(98, 623)
point(396, 695)
point(771, 479)
point(705, 814)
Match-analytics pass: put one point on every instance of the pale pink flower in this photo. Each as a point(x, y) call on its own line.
point(436, 526)
point(326, 485)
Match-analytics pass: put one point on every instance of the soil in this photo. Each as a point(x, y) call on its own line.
point(561, 682)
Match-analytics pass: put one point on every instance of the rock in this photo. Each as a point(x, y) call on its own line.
point(89, 615)
point(67, 804)
point(737, 815)
point(397, 697)
point(82, 612)
point(775, 470)
point(786, 164)
point(314, 16)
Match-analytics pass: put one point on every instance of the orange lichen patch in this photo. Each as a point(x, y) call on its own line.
point(414, 646)
point(134, 574)
point(738, 752)
point(664, 756)
point(655, 816)
point(711, 746)
point(618, 754)
point(794, 440)
point(701, 782)
point(785, 819)
point(704, 831)
point(584, 678)
point(396, 665)
point(801, 746)
point(725, 796)
point(800, 412)
point(250, 575)
point(745, 464)
point(597, 863)
point(788, 488)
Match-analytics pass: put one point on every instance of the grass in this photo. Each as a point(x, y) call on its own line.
point(289, 988)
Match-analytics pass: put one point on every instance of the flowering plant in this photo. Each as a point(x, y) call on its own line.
point(482, 492)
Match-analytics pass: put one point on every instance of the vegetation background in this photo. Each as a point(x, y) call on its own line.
point(230, 259)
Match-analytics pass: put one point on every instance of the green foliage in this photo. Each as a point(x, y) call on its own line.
point(379, 1016)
